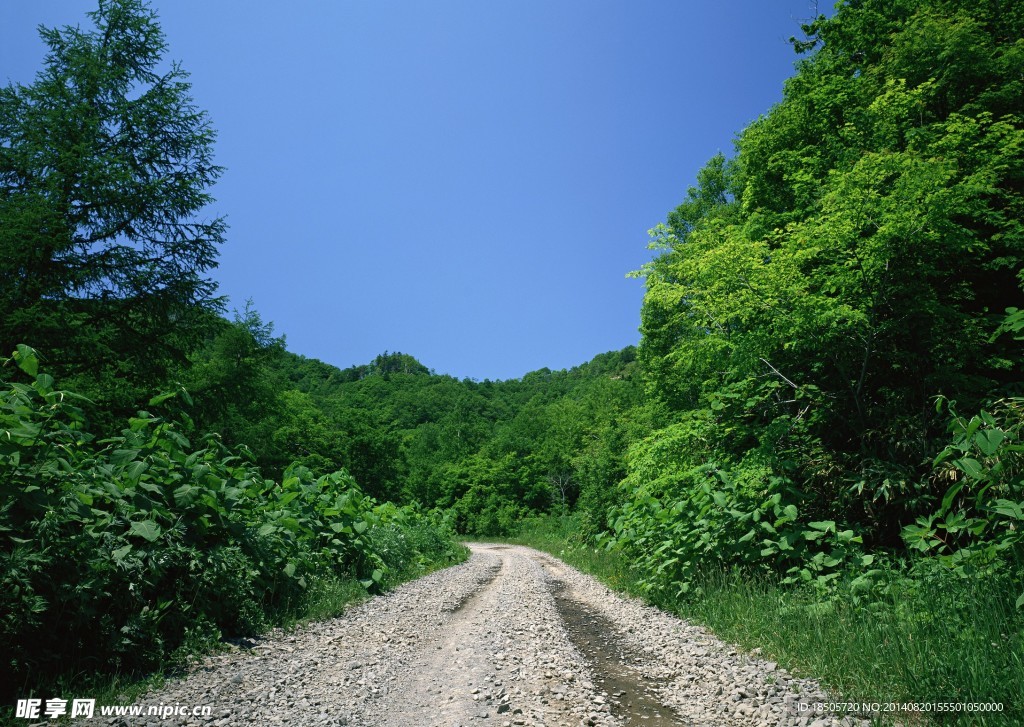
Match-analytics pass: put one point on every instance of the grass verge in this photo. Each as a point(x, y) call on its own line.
point(924, 638)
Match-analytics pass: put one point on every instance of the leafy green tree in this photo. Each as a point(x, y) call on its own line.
point(490, 496)
point(105, 166)
point(816, 292)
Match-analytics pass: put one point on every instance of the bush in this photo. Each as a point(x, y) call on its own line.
point(685, 513)
point(115, 554)
point(977, 527)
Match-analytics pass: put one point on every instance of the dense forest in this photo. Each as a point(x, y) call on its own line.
point(828, 392)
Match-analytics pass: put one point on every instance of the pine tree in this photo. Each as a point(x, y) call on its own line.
point(105, 166)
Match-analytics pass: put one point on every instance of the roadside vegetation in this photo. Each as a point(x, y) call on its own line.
point(134, 552)
point(816, 449)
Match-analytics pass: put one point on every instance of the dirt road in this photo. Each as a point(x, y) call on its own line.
point(511, 637)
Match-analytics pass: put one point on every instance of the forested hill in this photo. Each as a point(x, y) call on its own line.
point(493, 451)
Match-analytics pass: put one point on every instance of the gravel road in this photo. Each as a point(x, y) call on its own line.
point(510, 637)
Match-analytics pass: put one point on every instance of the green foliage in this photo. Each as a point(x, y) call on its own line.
point(813, 297)
point(817, 291)
point(105, 166)
point(230, 378)
point(684, 517)
point(493, 452)
point(978, 524)
point(115, 552)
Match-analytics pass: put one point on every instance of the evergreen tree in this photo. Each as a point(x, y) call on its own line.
point(105, 163)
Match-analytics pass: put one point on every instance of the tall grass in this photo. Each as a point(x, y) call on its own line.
point(927, 639)
point(925, 635)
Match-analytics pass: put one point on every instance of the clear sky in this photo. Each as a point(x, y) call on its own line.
point(467, 181)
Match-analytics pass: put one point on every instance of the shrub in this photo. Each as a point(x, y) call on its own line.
point(115, 554)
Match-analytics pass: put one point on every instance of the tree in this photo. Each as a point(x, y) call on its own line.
point(235, 383)
point(105, 163)
point(851, 263)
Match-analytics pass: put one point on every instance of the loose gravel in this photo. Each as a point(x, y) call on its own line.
point(511, 637)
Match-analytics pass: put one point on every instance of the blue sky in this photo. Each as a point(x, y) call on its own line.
point(466, 181)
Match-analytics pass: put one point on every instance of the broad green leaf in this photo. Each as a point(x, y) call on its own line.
point(134, 470)
point(27, 359)
point(286, 498)
point(161, 398)
point(146, 529)
point(186, 495)
point(988, 441)
point(971, 467)
point(44, 385)
point(123, 456)
point(289, 523)
point(951, 493)
point(1009, 508)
